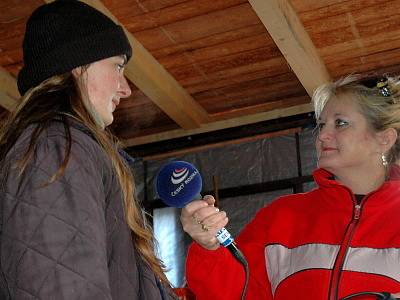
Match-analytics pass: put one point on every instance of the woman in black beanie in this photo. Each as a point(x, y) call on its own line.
point(70, 225)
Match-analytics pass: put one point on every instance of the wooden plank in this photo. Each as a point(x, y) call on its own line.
point(215, 84)
point(371, 18)
point(125, 9)
point(253, 138)
point(150, 5)
point(248, 94)
point(157, 84)
point(175, 13)
point(130, 123)
point(263, 85)
point(129, 126)
point(210, 41)
point(373, 43)
point(288, 32)
point(13, 16)
point(216, 51)
point(253, 99)
point(311, 6)
point(9, 95)
point(353, 51)
point(368, 63)
point(11, 51)
point(270, 67)
point(224, 63)
point(249, 119)
point(263, 107)
point(381, 34)
point(217, 22)
point(318, 10)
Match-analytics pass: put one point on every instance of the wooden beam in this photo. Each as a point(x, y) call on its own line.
point(234, 122)
point(286, 29)
point(9, 95)
point(156, 83)
point(181, 152)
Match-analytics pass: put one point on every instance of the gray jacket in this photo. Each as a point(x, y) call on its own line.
point(67, 239)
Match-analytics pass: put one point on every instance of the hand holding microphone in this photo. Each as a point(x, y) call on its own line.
point(178, 183)
point(201, 220)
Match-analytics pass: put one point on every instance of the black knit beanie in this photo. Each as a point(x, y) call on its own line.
point(66, 34)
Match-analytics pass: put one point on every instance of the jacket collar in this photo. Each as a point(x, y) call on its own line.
point(389, 190)
point(323, 177)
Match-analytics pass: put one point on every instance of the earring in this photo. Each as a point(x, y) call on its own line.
point(384, 160)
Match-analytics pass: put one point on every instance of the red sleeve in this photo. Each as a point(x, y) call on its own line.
point(217, 275)
point(214, 274)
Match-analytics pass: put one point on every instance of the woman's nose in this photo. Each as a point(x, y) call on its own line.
point(325, 133)
point(124, 89)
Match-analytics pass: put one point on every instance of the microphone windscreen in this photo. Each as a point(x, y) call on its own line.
point(178, 183)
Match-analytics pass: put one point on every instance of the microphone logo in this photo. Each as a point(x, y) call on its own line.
point(177, 183)
point(179, 175)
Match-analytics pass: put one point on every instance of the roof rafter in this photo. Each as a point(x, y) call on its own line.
point(234, 122)
point(289, 34)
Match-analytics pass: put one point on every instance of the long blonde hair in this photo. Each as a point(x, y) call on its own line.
point(60, 97)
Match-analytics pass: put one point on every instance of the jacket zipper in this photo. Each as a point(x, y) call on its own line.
point(337, 268)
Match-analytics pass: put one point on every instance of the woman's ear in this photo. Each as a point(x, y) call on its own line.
point(387, 138)
point(77, 72)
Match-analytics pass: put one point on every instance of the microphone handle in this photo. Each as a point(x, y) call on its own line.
point(225, 239)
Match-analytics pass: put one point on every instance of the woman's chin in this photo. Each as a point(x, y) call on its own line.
point(326, 164)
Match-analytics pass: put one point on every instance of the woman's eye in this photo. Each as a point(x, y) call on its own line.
point(341, 123)
point(120, 67)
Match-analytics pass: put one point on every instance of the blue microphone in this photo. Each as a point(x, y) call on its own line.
point(178, 183)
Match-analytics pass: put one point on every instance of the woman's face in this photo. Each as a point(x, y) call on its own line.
point(106, 85)
point(345, 142)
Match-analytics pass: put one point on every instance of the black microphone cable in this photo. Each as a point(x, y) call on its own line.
point(379, 295)
point(240, 257)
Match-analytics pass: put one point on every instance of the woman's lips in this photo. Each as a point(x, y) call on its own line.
point(115, 104)
point(328, 149)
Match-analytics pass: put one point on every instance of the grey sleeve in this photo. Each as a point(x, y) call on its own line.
point(54, 236)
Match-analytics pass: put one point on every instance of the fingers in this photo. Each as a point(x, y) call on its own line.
point(209, 199)
point(209, 213)
point(214, 220)
point(201, 220)
point(207, 203)
point(204, 232)
point(193, 206)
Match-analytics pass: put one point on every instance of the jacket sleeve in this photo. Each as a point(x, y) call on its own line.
point(213, 274)
point(54, 235)
point(217, 275)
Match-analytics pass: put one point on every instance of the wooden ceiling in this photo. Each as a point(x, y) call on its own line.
point(199, 66)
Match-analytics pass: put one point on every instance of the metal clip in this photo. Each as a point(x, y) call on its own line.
point(383, 87)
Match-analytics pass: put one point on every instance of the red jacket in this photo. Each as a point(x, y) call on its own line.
point(318, 245)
